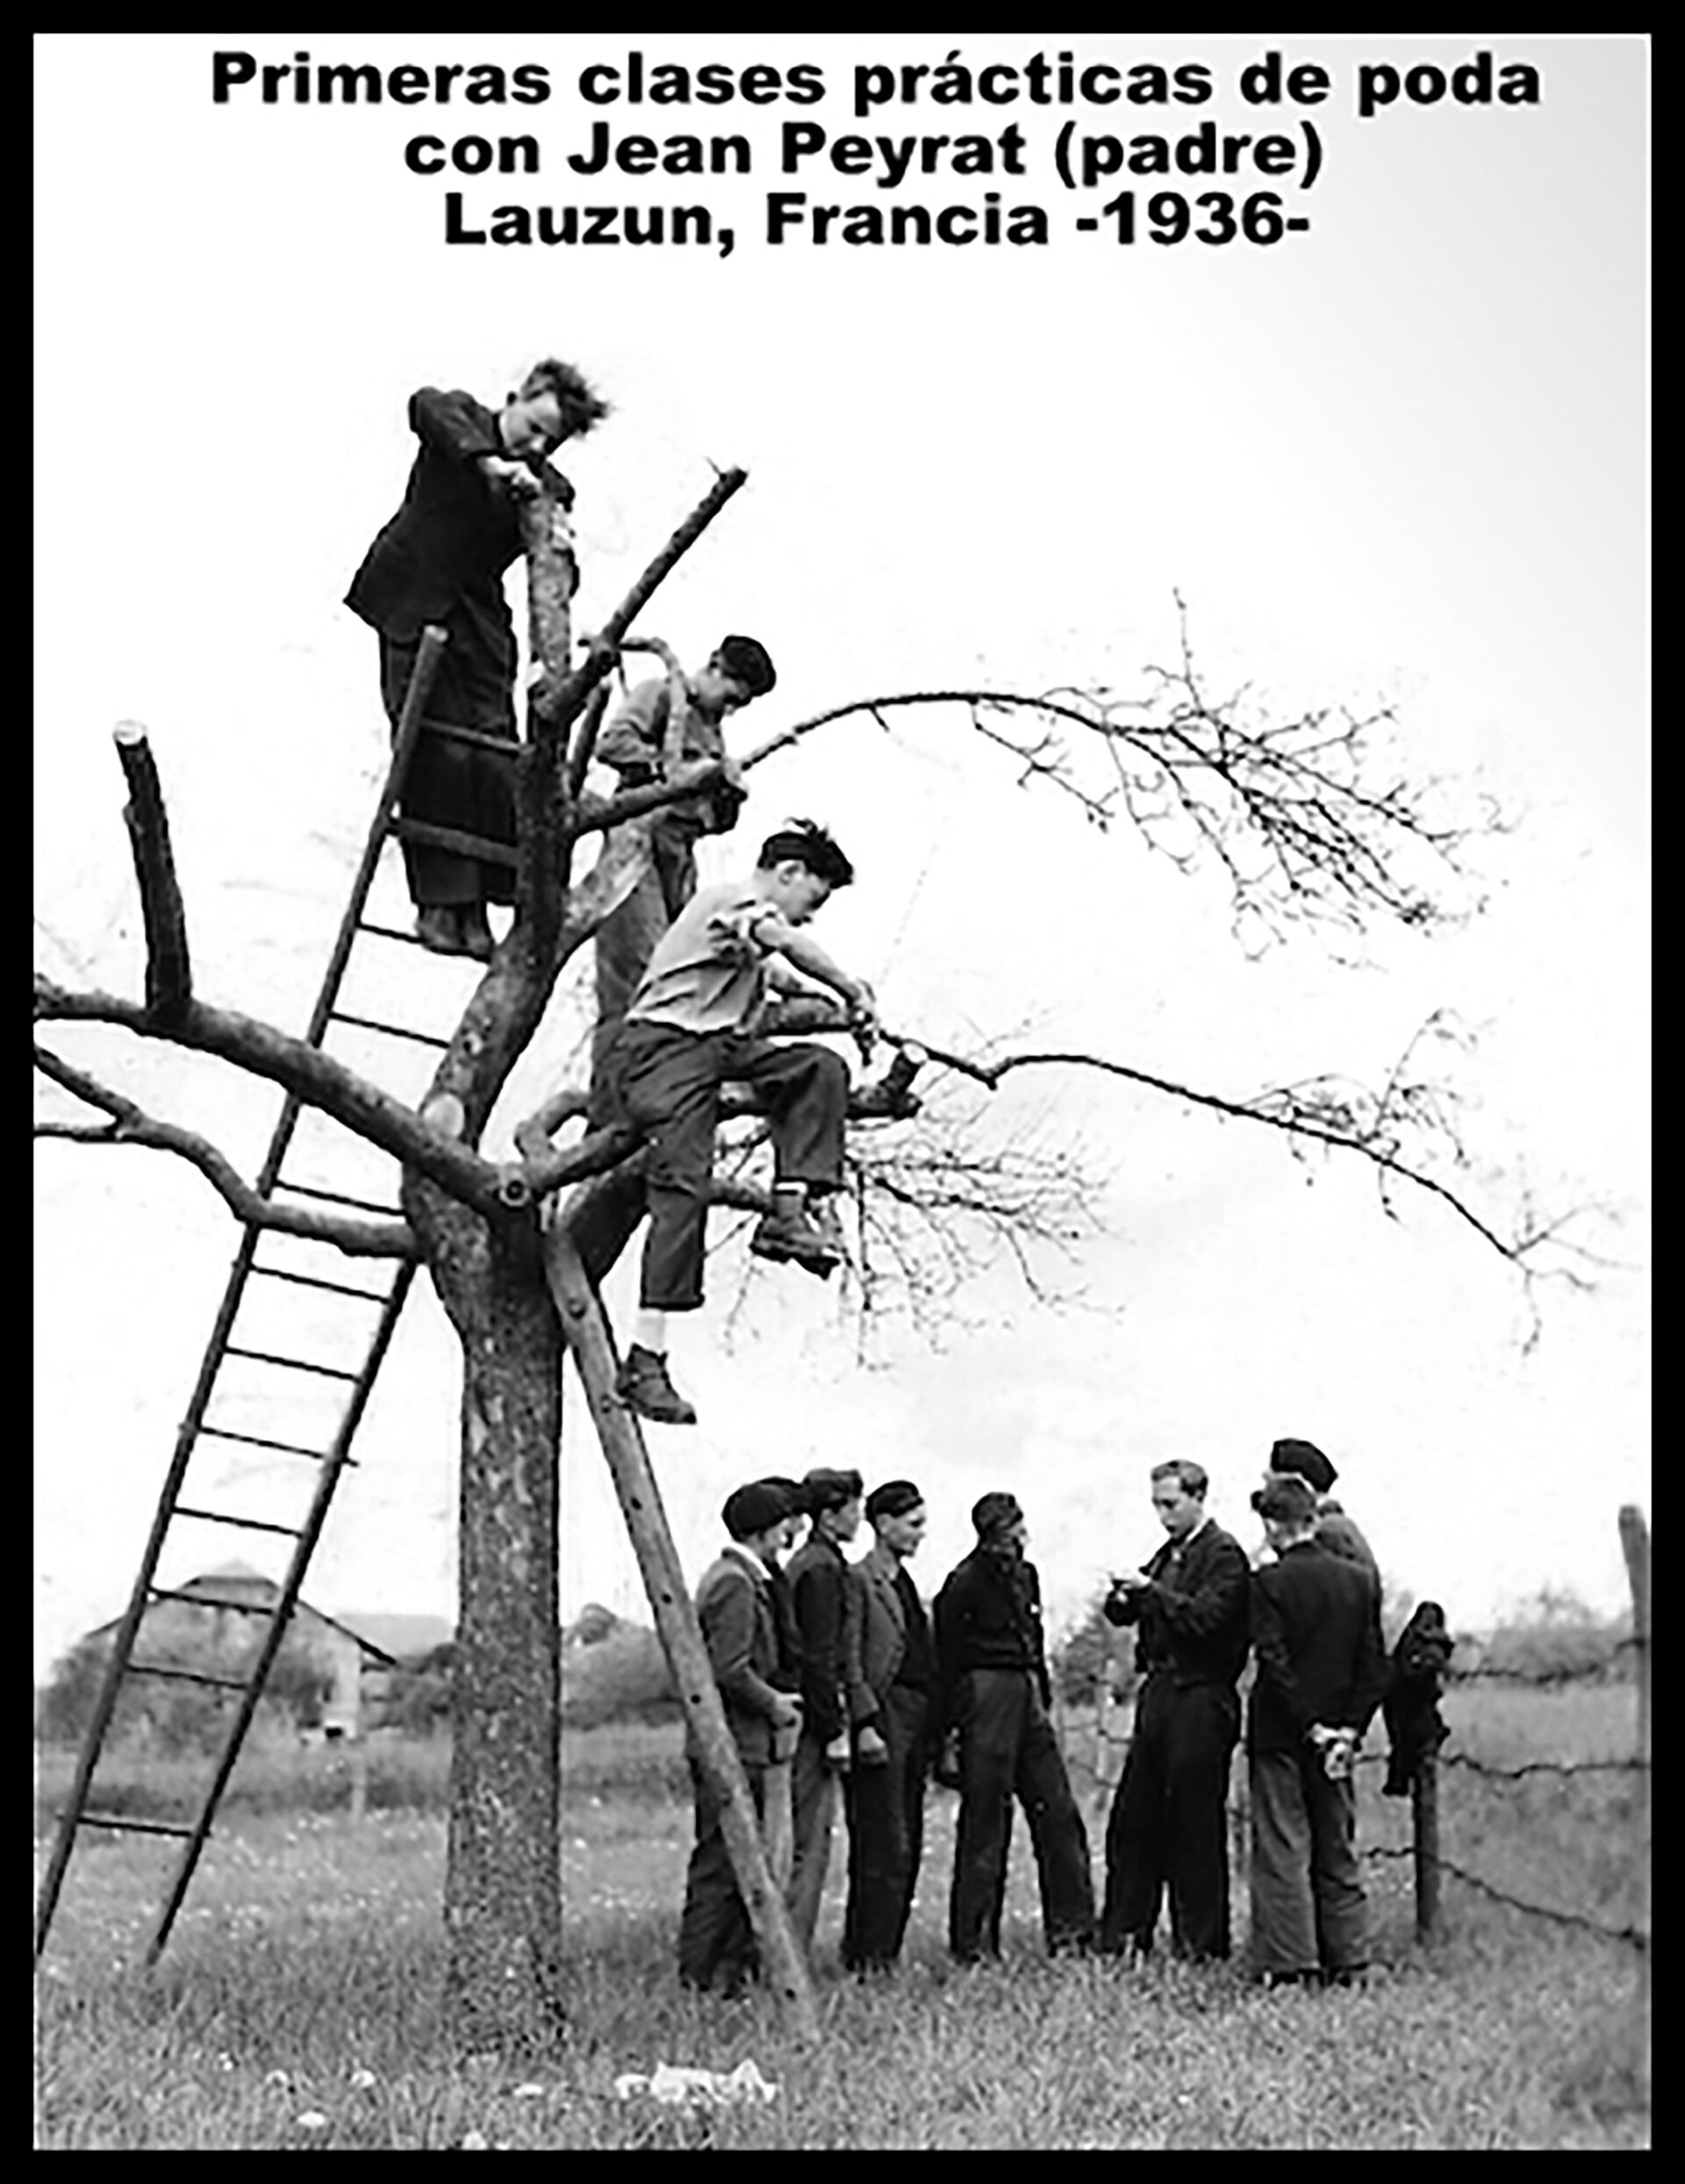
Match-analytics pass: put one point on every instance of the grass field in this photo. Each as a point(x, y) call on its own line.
point(299, 2004)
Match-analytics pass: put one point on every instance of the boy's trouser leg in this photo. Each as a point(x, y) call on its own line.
point(1204, 1722)
point(668, 1082)
point(1135, 1853)
point(885, 1835)
point(993, 1704)
point(813, 1800)
point(714, 1937)
point(904, 1732)
point(807, 1088)
point(1284, 1923)
point(621, 947)
point(449, 784)
point(1336, 1882)
point(1056, 1829)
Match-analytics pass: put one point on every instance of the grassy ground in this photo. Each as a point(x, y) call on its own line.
point(299, 2004)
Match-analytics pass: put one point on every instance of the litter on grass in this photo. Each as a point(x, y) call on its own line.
point(675, 2085)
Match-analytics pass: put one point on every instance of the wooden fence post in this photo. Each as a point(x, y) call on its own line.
point(1425, 1829)
point(1634, 1545)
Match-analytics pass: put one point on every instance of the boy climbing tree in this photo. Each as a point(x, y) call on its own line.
point(692, 1025)
point(640, 742)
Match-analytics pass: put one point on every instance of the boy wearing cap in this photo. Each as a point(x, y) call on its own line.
point(1335, 1530)
point(692, 1025)
point(819, 1582)
point(891, 1667)
point(441, 559)
point(1322, 1671)
point(994, 1689)
point(734, 1607)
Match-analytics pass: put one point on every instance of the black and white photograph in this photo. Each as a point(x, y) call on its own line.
point(842, 941)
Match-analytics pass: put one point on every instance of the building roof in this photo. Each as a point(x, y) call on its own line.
point(386, 1639)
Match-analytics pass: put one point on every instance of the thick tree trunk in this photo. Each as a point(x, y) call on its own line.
point(503, 1901)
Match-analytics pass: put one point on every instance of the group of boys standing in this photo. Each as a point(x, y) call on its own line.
point(838, 1688)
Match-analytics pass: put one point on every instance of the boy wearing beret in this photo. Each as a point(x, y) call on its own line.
point(819, 1583)
point(740, 1628)
point(994, 1690)
point(891, 1670)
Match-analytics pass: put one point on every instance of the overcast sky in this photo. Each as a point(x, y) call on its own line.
point(1403, 456)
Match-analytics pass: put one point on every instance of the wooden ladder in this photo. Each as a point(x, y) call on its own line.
point(371, 1313)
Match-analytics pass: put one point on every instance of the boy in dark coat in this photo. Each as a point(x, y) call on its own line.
point(994, 1689)
point(441, 559)
point(1169, 1820)
point(740, 1627)
point(1321, 1674)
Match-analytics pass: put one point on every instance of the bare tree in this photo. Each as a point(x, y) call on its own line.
point(1292, 812)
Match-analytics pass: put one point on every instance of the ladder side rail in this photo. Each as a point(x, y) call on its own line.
point(409, 725)
point(433, 643)
point(327, 1478)
point(586, 1327)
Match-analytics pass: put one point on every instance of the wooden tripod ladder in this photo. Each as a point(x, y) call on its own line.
point(359, 1303)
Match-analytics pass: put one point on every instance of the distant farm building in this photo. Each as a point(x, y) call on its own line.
point(330, 1679)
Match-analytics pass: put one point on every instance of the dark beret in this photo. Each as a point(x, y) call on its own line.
point(749, 662)
point(893, 1498)
point(829, 1489)
point(1305, 1458)
point(755, 1508)
point(995, 1513)
point(1287, 1500)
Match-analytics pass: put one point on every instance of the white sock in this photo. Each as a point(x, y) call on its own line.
point(650, 1331)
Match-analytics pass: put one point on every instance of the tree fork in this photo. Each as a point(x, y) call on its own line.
point(586, 1332)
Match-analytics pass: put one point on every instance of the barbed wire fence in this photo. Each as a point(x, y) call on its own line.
point(1101, 1763)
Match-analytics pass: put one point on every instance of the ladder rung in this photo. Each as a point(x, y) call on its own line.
point(213, 1599)
point(132, 1827)
point(321, 1282)
point(339, 1198)
point(393, 1030)
point(248, 1523)
point(389, 932)
point(476, 737)
point(478, 845)
point(297, 1364)
point(260, 1440)
point(184, 1676)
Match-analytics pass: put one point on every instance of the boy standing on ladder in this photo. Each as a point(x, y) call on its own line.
point(691, 1026)
point(441, 559)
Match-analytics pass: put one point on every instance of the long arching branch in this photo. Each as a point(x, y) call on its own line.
point(1298, 814)
point(316, 1077)
point(131, 1126)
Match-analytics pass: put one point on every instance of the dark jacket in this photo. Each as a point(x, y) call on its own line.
point(1336, 1531)
point(1317, 1625)
point(818, 1578)
point(875, 1635)
point(457, 530)
point(734, 1606)
point(1193, 1619)
point(980, 1625)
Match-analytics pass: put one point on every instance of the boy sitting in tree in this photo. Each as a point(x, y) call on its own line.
point(691, 1026)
